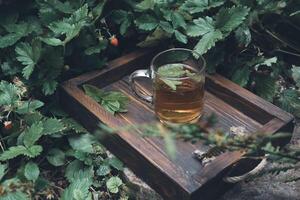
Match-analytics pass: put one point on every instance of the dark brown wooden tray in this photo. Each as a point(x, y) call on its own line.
point(185, 177)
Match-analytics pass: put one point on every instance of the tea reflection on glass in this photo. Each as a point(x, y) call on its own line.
point(178, 77)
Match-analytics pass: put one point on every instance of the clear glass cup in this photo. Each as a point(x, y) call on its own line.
point(178, 78)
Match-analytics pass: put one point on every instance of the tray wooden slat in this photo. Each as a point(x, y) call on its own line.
point(183, 178)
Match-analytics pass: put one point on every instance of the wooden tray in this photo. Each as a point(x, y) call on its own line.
point(185, 177)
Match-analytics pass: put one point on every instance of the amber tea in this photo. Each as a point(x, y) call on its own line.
point(182, 100)
point(178, 77)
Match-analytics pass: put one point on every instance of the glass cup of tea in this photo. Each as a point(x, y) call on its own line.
point(178, 78)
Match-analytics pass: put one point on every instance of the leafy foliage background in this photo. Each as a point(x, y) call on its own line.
point(43, 42)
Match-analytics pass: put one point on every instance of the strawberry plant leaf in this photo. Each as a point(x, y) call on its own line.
point(146, 22)
point(265, 87)
point(52, 125)
point(241, 76)
point(33, 134)
point(28, 56)
point(33, 151)
point(29, 106)
point(82, 143)
point(79, 188)
point(14, 195)
point(180, 37)
point(178, 20)
point(296, 75)
point(228, 19)
point(103, 170)
point(9, 40)
point(145, 5)
point(3, 167)
point(49, 87)
point(9, 93)
point(31, 171)
point(166, 26)
point(196, 6)
point(200, 27)
point(208, 41)
point(289, 101)
point(154, 38)
point(243, 35)
point(113, 184)
point(12, 152)
point(52, 41)
point(56, 157)
point(72, 170)
point(116, 163)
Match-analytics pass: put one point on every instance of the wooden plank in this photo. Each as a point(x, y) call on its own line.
point(244, 100)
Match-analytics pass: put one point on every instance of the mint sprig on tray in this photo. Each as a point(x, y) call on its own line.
point(112, 101)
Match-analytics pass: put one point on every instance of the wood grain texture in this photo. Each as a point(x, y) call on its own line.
point(183, 178)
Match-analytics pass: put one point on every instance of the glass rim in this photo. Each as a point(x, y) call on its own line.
point(178, 49)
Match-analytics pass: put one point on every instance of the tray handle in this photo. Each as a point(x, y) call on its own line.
point(256, 170)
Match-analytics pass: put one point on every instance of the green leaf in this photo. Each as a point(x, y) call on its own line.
point(93, 92)
point(52, 41)
point(14, 196)
point(171, 70)
point(267, 62)
point(154, 38)
point(52, 125)
point(12, 152)
point(3, 167)
point(123, 18)
point(228, 19)
point(29, 106)
point(296, 75)
point(97, 10)
point(103, 170)
point(166, 26)
point(56, 157)
point(241, 76)
point(49, 87)
point(116, 163)
point(265, 86)
point(31, 171)
point(28, 56)
point(145, 5)
point(200, 27)
point(113, 184)
point(71, 124)
point(171, 83)
point(72, 170)
point(208, 41)
point(9, 40)
point(198, 6)
point(178, 20)
point(64, 7)
point(289, 101)
point(9, 93)
point(146, 22)
point(33, 151)
point(243, 35)
point(96, 49)
point(82, 143)
point(79, 188)
point(111, 101)
point(180, 37)
point(33, 134)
